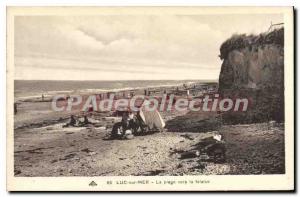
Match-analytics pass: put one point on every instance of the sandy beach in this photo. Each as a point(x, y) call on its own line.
point(43, 147)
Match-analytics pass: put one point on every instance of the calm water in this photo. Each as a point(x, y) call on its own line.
point(32, 88)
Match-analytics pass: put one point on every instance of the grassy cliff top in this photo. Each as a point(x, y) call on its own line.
point(242, 40)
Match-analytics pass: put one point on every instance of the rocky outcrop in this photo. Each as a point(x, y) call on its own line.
point(253, 67)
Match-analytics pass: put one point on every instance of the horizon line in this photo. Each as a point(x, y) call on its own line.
point(118, 80)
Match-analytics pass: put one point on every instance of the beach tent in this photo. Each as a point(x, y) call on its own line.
point(152, 119)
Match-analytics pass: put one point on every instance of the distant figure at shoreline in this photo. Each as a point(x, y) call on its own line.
point(15, 108)
point(131, 94)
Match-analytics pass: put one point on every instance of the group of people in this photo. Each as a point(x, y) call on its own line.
point(74, 122)
point(130, 124)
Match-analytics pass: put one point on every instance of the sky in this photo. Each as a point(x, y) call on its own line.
point(127, 47)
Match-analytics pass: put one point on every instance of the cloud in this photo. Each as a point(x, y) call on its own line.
point(184, 46)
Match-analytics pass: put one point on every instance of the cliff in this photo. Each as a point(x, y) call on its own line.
point(253, 67)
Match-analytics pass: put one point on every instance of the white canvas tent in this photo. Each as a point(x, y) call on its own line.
point(152, 118)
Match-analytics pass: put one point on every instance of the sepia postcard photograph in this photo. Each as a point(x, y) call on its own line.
point(150, 98)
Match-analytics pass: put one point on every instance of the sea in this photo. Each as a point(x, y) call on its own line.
point(24, 89)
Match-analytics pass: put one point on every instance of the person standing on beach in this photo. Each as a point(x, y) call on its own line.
point(125, 121)
point(42, 97)
point(72, 121)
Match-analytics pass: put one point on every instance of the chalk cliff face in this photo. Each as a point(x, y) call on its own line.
point(253, 67)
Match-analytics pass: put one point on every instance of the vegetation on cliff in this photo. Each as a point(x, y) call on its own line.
point(253, 68)
point(242, 41)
